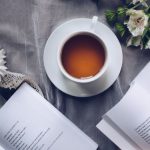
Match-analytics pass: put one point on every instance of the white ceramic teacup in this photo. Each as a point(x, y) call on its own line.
point(91, 32)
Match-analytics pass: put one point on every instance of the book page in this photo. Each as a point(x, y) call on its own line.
point(29, 122)
point(114, 134)
point(132, 116)
point(143, 78)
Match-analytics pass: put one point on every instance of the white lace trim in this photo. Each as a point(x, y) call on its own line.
point(13, 80)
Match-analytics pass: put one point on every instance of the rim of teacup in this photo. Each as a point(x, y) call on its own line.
point(82, 80)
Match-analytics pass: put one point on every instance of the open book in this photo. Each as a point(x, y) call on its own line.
point(29, 122)
point(128, 123)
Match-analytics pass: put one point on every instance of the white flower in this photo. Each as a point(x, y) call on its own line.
point(2, 63)
point(148, 45)
point(138, 20)
point(143, 2)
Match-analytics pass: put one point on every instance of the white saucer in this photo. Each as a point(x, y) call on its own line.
point(70, 87)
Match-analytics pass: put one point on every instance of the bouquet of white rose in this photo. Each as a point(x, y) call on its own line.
point(132, 21)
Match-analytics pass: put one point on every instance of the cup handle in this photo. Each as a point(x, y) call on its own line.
point(94, 22)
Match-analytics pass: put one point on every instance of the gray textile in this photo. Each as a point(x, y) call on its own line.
point(25, 26)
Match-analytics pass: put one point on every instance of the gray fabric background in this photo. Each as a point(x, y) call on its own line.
point(25, 25)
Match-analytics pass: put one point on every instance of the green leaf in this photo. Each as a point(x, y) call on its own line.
point(110, 16)
point(121, 29)
point(145, 39)
point(148, 10)
point(136, 41)
point(121, 12)
point(145, 32)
